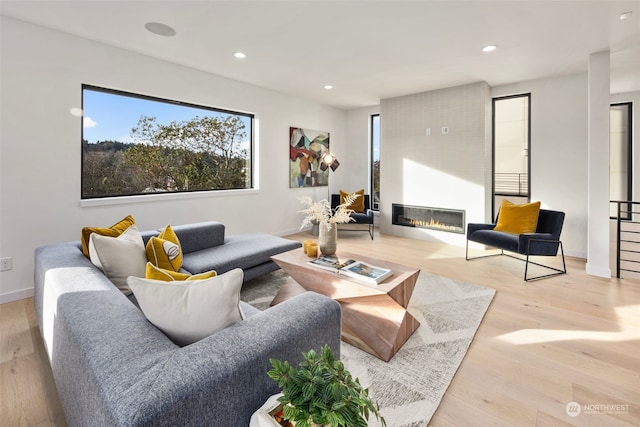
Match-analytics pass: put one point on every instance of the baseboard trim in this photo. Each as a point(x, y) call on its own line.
point(16, 295)
point(291, 231)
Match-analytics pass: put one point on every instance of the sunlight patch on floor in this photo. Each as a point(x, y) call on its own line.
point(629, 331)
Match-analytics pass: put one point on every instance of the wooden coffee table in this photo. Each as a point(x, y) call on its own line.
point(374, 318)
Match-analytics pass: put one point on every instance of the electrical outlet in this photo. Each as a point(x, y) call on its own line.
point(6, 263)
point(445, 130)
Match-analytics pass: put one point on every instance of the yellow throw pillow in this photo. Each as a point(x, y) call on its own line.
point(518, 219)
point(114, 231)
point(155, 273)
point(164, 251)
point(358, 204)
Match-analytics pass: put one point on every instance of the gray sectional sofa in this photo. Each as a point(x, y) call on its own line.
point(112, 367)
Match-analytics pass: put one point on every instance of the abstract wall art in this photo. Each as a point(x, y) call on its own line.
point(306, 148)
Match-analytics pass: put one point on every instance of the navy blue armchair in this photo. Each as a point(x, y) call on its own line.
point(544, 242)
point(365, 217)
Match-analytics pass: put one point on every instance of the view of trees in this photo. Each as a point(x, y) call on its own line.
point(203, 153)
point(376, 183)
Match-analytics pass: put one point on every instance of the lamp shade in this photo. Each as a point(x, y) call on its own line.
point(329, 160)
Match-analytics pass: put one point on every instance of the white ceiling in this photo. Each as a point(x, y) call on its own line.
point(368, 50)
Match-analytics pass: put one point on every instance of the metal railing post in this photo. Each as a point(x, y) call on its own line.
point(618, 242)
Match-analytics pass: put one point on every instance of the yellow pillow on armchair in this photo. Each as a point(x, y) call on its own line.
point(518, 219)
point(358, 204)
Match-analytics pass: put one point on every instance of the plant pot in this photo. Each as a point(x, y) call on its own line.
point(328, 238)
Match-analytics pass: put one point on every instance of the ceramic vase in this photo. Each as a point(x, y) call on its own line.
point(328, 238)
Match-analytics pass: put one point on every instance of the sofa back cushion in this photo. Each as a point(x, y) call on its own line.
point(198, 236)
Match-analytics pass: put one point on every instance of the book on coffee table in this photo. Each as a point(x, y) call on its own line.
point(330, 262)
point(357, 270)
point(366, 273)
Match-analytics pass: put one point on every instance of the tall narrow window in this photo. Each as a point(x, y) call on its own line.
point(511, 143)
point(375, 161)
point(620, 170)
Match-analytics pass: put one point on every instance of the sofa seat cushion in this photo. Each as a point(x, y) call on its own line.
point(506, 241)
point(241, 251)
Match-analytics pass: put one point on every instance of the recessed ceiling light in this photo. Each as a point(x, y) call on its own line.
point(239, 55)
point(625, 15)
point(328, 87)
point(489, 48)
point(160, 29)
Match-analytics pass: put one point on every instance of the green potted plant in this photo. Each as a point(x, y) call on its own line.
point(322, 392)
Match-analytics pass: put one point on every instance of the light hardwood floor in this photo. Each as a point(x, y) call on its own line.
point(541, 345)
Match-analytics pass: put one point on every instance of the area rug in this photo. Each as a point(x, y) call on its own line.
point(411, 385)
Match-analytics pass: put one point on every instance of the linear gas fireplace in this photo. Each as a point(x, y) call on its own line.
point(451, 220)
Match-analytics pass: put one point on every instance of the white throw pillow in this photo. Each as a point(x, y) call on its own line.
point(119, 257)
point(188, 311)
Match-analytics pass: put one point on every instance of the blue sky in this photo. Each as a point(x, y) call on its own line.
point(108, 116)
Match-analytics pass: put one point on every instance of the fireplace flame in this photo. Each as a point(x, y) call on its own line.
point(431, 223)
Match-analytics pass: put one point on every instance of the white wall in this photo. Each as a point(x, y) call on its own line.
point(559, 151)
point(41, 76)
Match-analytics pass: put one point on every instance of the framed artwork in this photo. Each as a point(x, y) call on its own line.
point(306, 148)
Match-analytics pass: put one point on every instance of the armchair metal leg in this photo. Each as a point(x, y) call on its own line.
point(466, 254)
point(371, 231)
point(556, 270)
